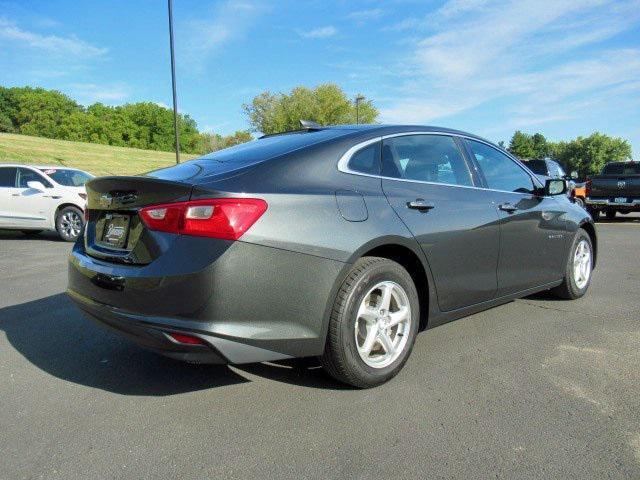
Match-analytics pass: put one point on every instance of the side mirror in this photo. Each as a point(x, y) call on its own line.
point(574, 175)
point(34, 184)
point(555, 186)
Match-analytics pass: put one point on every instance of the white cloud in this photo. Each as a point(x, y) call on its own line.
point(322, 32)
point(363, 16)
point(49, 44)
point(525, 53)
point(87, 93)
point(229, 21)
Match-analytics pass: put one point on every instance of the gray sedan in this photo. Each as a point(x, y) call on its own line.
point(338, 242)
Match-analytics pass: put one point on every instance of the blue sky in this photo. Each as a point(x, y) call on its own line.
point(561, 67)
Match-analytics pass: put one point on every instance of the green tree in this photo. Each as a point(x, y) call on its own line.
point(587, 155)
point(521, 145)
point(325, 104)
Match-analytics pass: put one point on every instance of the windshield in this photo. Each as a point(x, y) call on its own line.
point(621, 169)
point(68, 177)
point(539, 167)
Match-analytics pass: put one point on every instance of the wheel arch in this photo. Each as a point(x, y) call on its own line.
point(591, 231)
point(407, 253)
point(64, 205)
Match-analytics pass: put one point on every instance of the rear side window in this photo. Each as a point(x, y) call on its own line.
point(500, 172)
point(8, 177)
point(366, 160)
point(621, 169)
point(425, 158)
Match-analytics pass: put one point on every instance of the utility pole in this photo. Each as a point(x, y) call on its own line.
point(359, 98)
point(173, 83)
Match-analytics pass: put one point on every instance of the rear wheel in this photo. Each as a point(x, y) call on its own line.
point(577, 276)
point(69, 223)
point(595, 214)
point(579, 201)
point(611, 214)
point(373, 324)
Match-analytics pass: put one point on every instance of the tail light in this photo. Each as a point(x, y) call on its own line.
point(225, 218)
point(587, 187)
point(186, 339)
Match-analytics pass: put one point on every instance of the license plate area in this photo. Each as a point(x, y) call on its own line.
point(620, 200)
point(115, 230)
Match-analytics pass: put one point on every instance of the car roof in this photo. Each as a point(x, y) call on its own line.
point(387, 129)
point(39, 167)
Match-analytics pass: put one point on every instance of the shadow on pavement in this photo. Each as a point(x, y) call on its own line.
point(18, 235)
point(54, 336)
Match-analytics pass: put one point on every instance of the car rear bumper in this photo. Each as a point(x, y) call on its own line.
point(246, 302)
point(607, 202)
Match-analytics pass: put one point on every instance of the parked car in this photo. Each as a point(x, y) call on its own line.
point(33, 199)
point(616, 189)
point(546, 168)
point(579, 193)
point(338, 242)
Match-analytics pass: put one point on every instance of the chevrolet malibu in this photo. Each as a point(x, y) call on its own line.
point(337, 242)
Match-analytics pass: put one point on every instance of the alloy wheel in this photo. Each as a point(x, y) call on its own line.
point(582, 264)
point(383, 324)
point(71, 224)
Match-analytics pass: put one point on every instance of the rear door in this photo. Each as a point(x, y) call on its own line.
point(7, 184)
point(430, 186)
point(532, 227)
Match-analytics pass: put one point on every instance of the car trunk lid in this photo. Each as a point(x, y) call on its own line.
point(114, 230)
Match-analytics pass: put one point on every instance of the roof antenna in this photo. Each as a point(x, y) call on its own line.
point(309, 125)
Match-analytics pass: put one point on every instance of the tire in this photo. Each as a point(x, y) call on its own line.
point(69, 223)
point(573, 285)
point(579, 201)
point(31, 232)
point(595, 214)
point(610, 214)
point(369, 278)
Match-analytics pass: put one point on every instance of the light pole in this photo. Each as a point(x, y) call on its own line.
point(173, 82)
point(359, 98)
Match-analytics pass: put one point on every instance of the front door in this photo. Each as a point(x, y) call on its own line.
point(532, 227)
point(31, 207)
point(430, 186)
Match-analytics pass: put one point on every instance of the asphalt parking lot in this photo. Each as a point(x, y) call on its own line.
point(538, 388)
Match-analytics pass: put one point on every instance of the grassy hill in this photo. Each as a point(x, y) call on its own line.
point(91, 157)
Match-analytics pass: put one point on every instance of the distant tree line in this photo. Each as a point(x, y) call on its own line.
point(585, 155)
point(51, 114)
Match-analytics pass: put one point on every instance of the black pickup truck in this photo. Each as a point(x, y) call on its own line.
point(616, 189)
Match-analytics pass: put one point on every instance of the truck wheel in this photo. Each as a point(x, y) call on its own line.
point(595, 213)
point(611, 214)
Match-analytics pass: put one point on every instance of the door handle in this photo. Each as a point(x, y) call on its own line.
point(15, 194)
point(420, 204)
point(508, 207)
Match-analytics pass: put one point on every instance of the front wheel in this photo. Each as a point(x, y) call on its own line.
point(577, 276)
point(69, 223)
point(579, 201)
point(373, 325)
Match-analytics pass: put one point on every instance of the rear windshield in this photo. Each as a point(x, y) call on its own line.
point(67, 177)
point(621, 169)
point(539, 167)
point(269, 147)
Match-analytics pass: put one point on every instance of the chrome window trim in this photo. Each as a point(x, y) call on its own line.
point(343, 162)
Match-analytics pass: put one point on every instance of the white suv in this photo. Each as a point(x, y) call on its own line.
point(33, 199)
